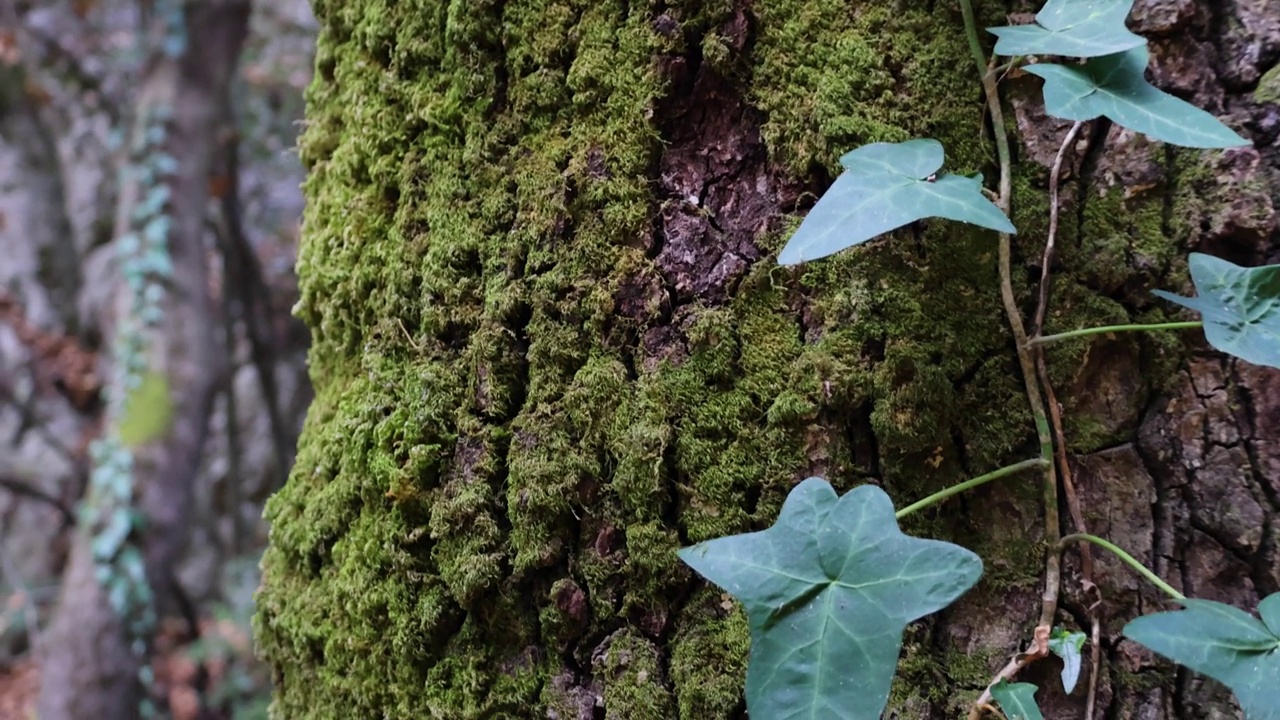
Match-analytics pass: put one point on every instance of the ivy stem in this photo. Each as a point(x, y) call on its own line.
point(1128, 559)
point(1053, 531)
point(969, 485)
point(1055, 410)
point(1085, 332)
point(1055, 210)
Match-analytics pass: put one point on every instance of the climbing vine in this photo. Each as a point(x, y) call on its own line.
point(138, 409)
point(830, 587)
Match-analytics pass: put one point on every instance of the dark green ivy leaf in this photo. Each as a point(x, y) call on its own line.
point(1017, 700)
point(1240, 307)
point(1114, 86)
point(1224, 643)
point(1078, 28)
point(886, 186)
point(828, 591)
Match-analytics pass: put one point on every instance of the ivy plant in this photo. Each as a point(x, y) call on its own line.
point(830, 587)
point(1240, 307)
point(1018, 700)
point(1067, 646)
point(1080, 28)
point(828, 591)
point(885, 186)
point(1113, 86)
point(1224, 643)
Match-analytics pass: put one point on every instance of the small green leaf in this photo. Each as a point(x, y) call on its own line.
point(886, 186)
point(1224, 643)
point(108, 541)
point(1240, 307)
point(1114, 86)
point(1079, 28)
point(1017, 700)
point(1067, 645)
point(828, 591)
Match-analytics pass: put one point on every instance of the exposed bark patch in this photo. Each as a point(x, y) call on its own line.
point(1160, 17)
point(1202, 448)
point(568, 699)
point(718, 193)
point(1118, 494)
point(1261, 389)
point(572, 601)
point(1110, 388)
point(1240, 214)
point(467, 455)
point(608, 539)
point(662, 343)
point(643, 297)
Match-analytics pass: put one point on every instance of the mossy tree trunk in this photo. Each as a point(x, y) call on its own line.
point(552, 346)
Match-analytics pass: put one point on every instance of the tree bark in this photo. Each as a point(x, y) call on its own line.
point(552, 345)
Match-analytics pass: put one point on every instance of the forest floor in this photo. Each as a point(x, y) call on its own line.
point(212, 677)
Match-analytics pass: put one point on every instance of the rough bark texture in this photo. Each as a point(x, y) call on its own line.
point(552, 346)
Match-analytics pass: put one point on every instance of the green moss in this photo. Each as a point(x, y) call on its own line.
point(967, 673)
point(148, 410)
point(711, 634)
point(832, 76)
point(1268, 90)
point(634, 682)
point(932, 678)
point(1118, 232)
point(920, 679)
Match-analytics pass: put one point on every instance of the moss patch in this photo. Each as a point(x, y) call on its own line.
point(148, 410)
point(1268, 90)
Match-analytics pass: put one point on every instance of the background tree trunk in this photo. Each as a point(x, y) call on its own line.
point(552, 346)
point(90, 667)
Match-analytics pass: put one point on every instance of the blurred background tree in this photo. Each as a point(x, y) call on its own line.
point(120, 124)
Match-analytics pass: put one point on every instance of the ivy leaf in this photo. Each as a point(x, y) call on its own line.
point(828, 591)
point(1017, 700)
point(886, 186)
point(1240, 307)
point(1114, 86)
point(1068, 646)
point(1269, 609)
point(1224, 643)
point(1079, 28)
point(108, 541)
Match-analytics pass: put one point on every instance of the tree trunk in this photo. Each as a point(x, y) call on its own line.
point(552, 345)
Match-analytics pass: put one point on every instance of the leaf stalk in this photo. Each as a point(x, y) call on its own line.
point(1128, 559)
point(1085, 332)
point(969, 485)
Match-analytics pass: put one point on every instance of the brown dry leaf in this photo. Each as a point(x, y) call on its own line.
point(19, 686)
point(9, 52)
point(64, 364)
point(184, 703)
point(37, 94)
point(82, 8)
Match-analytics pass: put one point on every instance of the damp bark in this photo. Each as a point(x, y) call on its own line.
point(552, 346)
